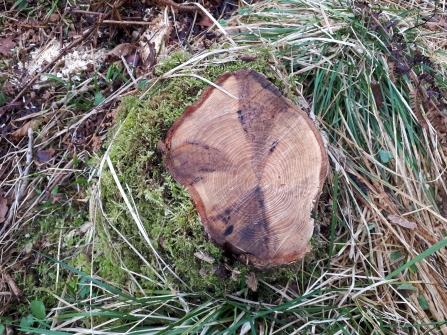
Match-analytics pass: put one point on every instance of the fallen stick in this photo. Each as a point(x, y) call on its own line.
point(113, 22)
point(176, 5)
point(12, 284)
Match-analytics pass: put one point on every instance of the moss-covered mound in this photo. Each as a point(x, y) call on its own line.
point(164, 207)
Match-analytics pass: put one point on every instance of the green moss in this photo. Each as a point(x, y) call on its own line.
point(164, 207)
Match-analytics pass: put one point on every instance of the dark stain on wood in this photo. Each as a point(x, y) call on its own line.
point(229, 230)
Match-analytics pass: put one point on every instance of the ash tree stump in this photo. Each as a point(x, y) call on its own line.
point(254, 167)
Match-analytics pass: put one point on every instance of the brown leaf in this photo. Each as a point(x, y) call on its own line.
point(22, 131)
point(48, 94)
point(9, 87)
point(56, 198)
point(44, 156)
point(220, 271)
point(377, 93)
point(6, 44)
point(124, 49)
point(251, 281)
point(3, 209)
point(96, 143)
point(205, 22)
point(402, 222)
point(54, 17)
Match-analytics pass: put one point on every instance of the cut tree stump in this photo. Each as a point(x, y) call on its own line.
point(254, 166)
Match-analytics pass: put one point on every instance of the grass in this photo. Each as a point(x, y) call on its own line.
point(367, 275)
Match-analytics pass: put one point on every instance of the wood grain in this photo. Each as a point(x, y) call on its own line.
point(254, 167)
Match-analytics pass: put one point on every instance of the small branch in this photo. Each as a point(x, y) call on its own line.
point(12, 284)
point(113, 22)
point(176, 5)
point(78, 11)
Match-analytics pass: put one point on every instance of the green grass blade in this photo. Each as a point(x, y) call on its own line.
point(434, 248)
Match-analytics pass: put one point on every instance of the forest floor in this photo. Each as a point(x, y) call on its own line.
point(77, 84)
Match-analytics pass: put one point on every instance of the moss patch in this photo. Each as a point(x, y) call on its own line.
point(165, 207)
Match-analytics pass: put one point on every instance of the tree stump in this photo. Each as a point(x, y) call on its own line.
point(254, 167)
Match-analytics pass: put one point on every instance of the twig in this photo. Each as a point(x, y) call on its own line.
point(176, 5)
point(25, 182)
point(113, 22)
point(78, 11)
point(12, 284)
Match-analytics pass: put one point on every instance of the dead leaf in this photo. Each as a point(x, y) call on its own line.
point(96, 143)
point(56, 198)
point(48, 94)
point(9, 87)
point(124, 49)
point(204, 257)
point(220, 271)
point(6, 44)
point(377, 94)
point(149, 55)
point(402, 222)
point(22, 131)
point(3, 209)
point(205, 22)
point(44, 156)
point(158, 34)
point(251, 281)
point(54, 17)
